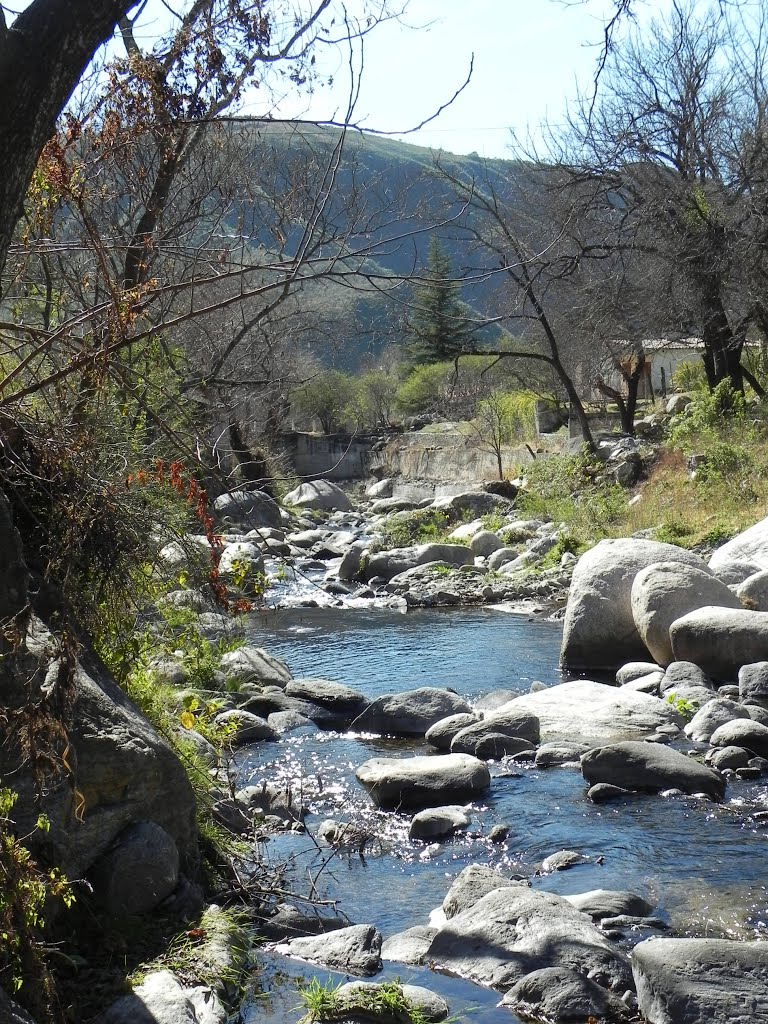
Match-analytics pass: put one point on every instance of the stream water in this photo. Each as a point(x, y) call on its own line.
point(705, 866)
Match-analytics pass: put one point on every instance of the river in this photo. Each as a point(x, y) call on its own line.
point(703, 865)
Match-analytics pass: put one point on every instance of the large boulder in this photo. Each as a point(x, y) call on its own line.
point(595, 711)
point(471, 884)
point(353, 950)
point(753, 592)
point(650, 767)
point(753, 681)
point(666, 591)
point(700, 981)
point(711, 716)
point(388, 564)
point(747, 550)
point(249, 509)
point(139, 871)
point(319, 494)
point(437, 822)
point(742, 732)
point(513, 931)
point(254, 665)
point(514, 723)
point(472, 503)
point(441, 733)
point(599, 630)
point(161, 999)
point(411, 783)
point(721, 640)
point(410, 713)
point(602, 903)
point(328, 694)
point(559, 995)
point(121, 771)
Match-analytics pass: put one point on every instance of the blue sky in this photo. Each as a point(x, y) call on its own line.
point(530, 56)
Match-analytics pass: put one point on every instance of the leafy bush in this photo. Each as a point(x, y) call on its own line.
point(690, 377)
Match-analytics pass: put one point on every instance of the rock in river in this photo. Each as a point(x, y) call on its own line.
point(410, 713)
point(701, 981)
point(424, 781)
point(650, 767)
point(558, 995)
point(666, 591)
point(599, 630)
point(513, 931)
point(721, 640)
point(583, 709)
point(353, 950)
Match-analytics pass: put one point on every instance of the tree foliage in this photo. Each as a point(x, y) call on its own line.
point(438, 322)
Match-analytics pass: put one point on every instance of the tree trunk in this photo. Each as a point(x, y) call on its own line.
point(42, 58)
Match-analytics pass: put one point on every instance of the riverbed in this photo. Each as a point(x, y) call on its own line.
point(702, 865)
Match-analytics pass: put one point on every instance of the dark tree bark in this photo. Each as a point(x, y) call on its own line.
point(42, 57)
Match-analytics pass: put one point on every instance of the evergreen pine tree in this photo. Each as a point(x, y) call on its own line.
point(438, 327)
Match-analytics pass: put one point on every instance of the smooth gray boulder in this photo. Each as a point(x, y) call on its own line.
point(650, 767)
point(501, 556)
point(748, 548)
point(250, 509)
point(319, 494)
point(514, 723)
point(423, 781)
point(664, 592)
point(254, 665)
point(161, 999)
point(682, 674)
point(388, 564)
point(380, 489)
point(352, 950)
point(635, 670)
point(331, 695)
point(437, 822)
point(126, 773)
point(410, 713)
point(753, 680)
point(720, 640)
point(471, 884)
point(139, 871)
point(701, 981)
point(554, 755)
point(711, 716)
point(559, 995)
point(410, 946)
point(562, 860)
point(471, 503)
point(742, 732)
point(595, 711)
point(484, 543)
point(244, 726)
point(728, 757)
point(513, 931)
point(599, 631)
point(441, 733)
point(493, 746)
point(753, 592)
point(600, 903)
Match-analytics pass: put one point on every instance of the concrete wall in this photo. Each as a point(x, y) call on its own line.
point(449, 460)
point(330, 457)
